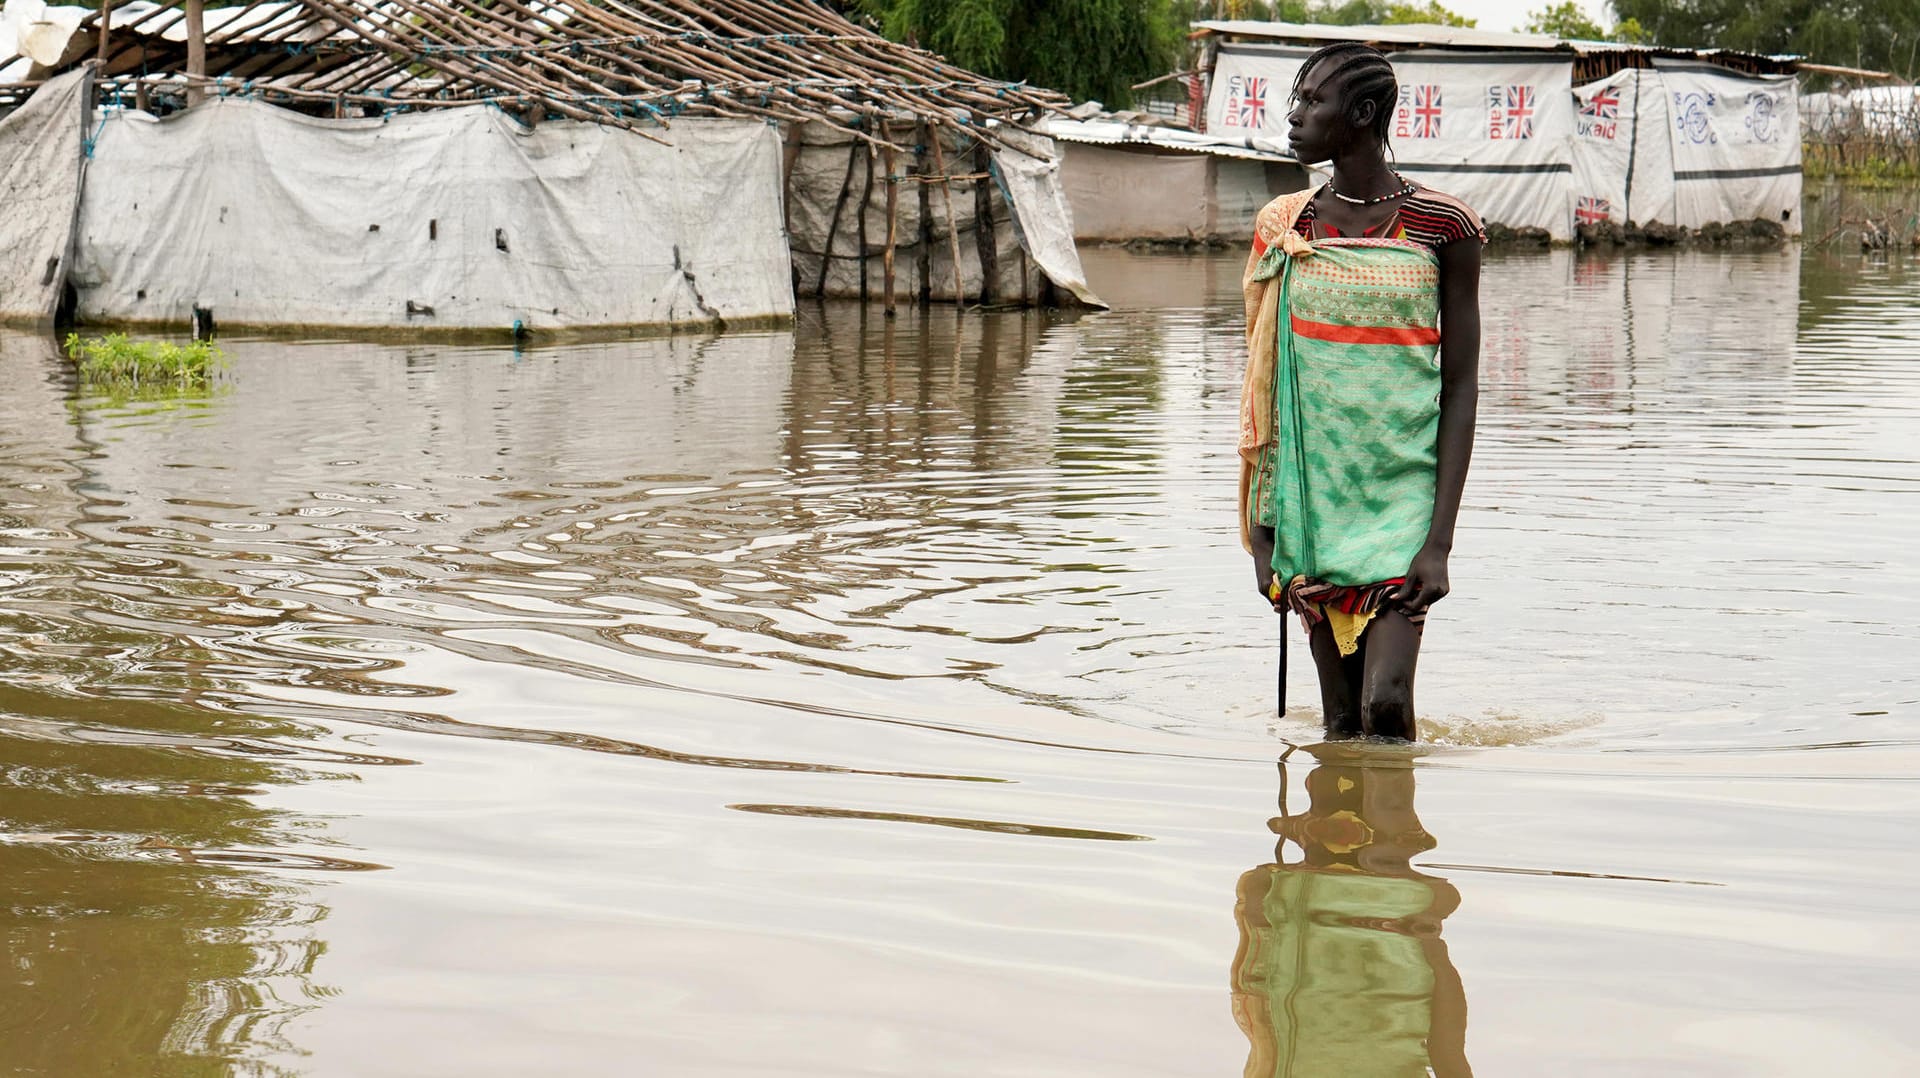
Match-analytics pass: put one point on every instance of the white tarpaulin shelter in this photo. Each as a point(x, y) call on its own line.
point(461, 218)
point(1137, 181)
point(1493, 128)
point(40, 176)
point(1736, 144)
point(457, 165)
point(1495, 119)
point(1687, 144)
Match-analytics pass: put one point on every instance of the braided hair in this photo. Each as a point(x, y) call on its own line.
point(1369, 78)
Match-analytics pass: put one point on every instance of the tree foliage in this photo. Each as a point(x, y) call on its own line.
point(1568, 20)
point(1350, 12)
point(1879, 34)
point(1088, 49)
point(1097, 49)
point(1565, 20)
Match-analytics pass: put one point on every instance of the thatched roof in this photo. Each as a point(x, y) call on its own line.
point(634, 63)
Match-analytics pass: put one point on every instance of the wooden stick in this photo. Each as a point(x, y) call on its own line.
point(196, 52)
point(106, 27)
point(923, 256)
point(866, 200)
point(893, 227)
point(833, 226)
point(986, 237)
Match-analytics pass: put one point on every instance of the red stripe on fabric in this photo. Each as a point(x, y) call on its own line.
point(1259, 246)
point(1327, 331)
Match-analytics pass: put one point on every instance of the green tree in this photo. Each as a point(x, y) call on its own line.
point(1564, 20)
point(1629, 31)
point(1088, 49)
point(1384, 12)
point(1879, 34)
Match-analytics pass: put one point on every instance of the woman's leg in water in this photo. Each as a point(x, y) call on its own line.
point(1390, 649)
point(1340, 683)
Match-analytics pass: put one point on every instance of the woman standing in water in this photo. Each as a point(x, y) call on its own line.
point(1357, 412)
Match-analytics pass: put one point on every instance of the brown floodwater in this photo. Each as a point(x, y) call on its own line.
point(889, 699)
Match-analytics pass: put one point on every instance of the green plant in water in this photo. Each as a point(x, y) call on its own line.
point(118, 360)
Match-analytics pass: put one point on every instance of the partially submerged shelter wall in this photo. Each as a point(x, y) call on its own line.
point(1687, 144)
point(1122, 193)
point(1002, 209)
point(1490, 127)
point(461, 218)
point(41, 158)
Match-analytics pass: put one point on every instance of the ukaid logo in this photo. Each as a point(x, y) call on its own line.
point(1599, 115)
point(1510, 112)
point(1592, 211)
point(1247, 101)
point(1419, 113)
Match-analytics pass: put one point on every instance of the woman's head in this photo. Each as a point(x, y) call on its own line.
point(1343, 91)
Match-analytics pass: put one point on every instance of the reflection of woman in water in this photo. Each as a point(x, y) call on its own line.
point(1341, 970)
point(1357, 411)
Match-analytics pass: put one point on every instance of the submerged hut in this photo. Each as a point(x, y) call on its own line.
point(1544, 134)
point(1130, 181)
point(524, 164)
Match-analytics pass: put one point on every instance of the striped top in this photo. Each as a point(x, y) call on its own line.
point(1427, 217)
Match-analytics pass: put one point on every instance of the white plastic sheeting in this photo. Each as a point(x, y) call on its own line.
point(1493, 128)
point(1687, 144)
point(1603, 148)
point(41, 157)
point(1735, 144)
point(1140, 181)
point(33, 31)
point(460, 219)
point(1029, 172)
point(1129, 191)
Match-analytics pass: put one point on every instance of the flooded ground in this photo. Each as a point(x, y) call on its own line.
point(889, 700)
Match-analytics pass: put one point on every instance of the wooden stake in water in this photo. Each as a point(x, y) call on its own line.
point(1283, 664)
point(893, 218)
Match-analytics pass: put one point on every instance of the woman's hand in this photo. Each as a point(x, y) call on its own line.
point(1263, 563)
point(1426, 580)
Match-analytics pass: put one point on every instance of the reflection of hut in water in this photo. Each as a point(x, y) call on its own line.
point(1341, 968)
point(1546, 134)
point(446, 164)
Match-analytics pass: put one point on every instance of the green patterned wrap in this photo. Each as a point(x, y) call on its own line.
point(1347, 483)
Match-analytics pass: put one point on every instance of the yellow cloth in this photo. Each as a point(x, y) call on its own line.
point(1346, 627)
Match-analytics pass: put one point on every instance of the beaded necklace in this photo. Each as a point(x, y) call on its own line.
point(1406, 188)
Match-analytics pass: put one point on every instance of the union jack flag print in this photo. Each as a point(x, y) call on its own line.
point(1510, 111)
point(1592, 211)
point(1603, 105)
point(1247, 102)
point(1419, 113)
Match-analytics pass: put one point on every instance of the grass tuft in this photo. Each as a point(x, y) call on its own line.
point(118, 360)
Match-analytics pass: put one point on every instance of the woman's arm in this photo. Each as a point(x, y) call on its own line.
point(1427, 581)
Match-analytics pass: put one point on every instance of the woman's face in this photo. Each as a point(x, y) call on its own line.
point(1316, 124)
